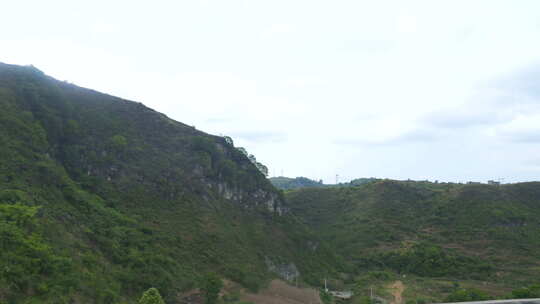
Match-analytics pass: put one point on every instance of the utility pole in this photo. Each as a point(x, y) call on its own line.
point(325, 288)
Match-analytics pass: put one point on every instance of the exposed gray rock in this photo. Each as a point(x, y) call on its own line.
point(286, 271)
point(268, 199)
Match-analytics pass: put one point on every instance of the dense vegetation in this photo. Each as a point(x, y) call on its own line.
point(102, 198)
point(428, 261)
point(433, 233)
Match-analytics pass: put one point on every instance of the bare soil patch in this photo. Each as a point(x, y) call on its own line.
point(279, 292)
point(396, 289)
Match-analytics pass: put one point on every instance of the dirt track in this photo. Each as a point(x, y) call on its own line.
point(279, 292)
point(397, 290)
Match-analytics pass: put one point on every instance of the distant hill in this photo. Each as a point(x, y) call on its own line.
point(102, 198)
point(288, 183)
point(434, 235)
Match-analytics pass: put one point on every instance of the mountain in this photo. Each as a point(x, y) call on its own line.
point(434, 237)
point(102, 198)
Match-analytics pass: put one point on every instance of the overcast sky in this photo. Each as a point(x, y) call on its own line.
point(438, 90)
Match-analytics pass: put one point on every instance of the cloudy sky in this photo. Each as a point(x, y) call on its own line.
point(438, 90)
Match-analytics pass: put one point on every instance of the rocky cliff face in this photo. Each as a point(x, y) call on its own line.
point(270, 199)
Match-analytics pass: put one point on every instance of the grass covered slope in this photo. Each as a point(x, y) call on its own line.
point(452, 231)
point(102, 198)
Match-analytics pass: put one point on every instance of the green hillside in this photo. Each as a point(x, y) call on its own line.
point(441, 234)
point(287, 183)
point(102, 198)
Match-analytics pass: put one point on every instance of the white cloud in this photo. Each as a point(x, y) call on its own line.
point(406, 24)
point(522, 129)
point(419, 89)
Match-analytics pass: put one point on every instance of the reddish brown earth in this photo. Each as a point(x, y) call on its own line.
point(279, 292)
point(397, 289)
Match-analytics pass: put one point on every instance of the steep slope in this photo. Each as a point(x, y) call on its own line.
point(102, 198)
point(451, 231)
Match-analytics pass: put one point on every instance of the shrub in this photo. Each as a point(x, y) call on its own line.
point(151, 296)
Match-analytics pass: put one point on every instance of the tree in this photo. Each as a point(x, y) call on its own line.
point(262, 168)
point(326, 297)
point(151, 296)
point(211, 286)
point(252, 158)
point(242, 150)
point(229, 140)
point(27, 261)
point(118, 143)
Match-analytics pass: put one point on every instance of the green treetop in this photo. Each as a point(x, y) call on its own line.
point(151, 296)
point(211, 286)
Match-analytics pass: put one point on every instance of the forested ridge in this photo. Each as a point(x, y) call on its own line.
point(440, 237)
point(102, 198)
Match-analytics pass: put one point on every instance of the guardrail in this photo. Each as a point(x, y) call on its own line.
point(513, 301)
